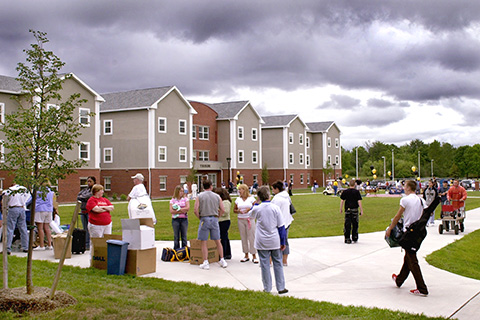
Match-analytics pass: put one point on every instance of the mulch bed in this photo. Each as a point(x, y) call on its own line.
point(17, 300)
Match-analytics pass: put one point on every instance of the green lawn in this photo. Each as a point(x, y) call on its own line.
point(126, 297)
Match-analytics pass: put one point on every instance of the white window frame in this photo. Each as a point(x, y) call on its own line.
point(162, 150)
point(241, 156)
point(203, 155)
point(2, 113)
point(329, 159)
point(329, 142)
point(307, 158)
point(255, 178)
point(87, 144)
point(301, 178)
point(194, 132)
point(105, 133)
point(184, 151)
point(337, 143)
point(337, 160)
point(80, 117)
point(107, 183)
point(183, 180)
point(184, 126)
point(291, 158)
point(292, 176)
point(163, 181)
point(300, 138)
point(105, 155)
point(290, 137)
point(300, 158)
point(254, 156)
point(51, 105)
point(2, 152)
point(164, 125)
point(254, 134)
point(307, 141)
point(202, 133)
point(241, 133)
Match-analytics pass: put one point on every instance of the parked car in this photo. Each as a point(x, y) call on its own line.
point(382, 184)
point(468, 184)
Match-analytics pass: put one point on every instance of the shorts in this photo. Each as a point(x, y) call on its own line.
point(208, 225)
point(43, 217)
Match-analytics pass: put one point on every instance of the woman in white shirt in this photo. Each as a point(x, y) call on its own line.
point(246, 225)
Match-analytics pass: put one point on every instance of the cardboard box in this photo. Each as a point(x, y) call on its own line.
point(196, 251)
point(139, 233)
point(99, 250)
point(141, 262)
point(58, 245)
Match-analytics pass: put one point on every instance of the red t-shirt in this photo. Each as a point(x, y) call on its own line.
point(98, 218)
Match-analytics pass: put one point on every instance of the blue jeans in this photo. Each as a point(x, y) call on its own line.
point(224, 226)
point(84, 217)
point(16, 218)
point(276, 255)
point(180, 226)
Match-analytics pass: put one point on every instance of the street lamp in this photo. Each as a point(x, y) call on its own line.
point(432, 167)
point(393, 166)
point(384, 169)
point(356, 164)
point(419, 163)
point(229, 177)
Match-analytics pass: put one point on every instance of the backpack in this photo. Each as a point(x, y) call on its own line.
point(168, 254)
point(181, 254)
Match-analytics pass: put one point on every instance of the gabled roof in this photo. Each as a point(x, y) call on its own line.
point(280, 121)
point(10, 85)
point(133, 99)
point(323, 126)
point(230, 110)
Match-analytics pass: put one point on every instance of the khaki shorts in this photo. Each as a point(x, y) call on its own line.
point(43, 217)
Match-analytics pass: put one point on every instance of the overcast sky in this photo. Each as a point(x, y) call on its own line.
point(383, 70)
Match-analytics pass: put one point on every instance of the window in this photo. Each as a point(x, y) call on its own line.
point(308, 160)
point(337, 143)
point(301, 178)
point(52, 106)
point(329, 142)
point(107, 155)
point(2, 152)
point(255, 178)
point(291, 177)
point(240, 133)
point(83, 182)
point(84, 151)
point(182, 126)
point(107, 127)
point(182, 154)
point(107, 183)
point(300, 158)
point(54, 186)
point(308, 178)
point(290, 158)
point(240, 156)
point(2, 112)
point(84, 117)
point(254, 134)
point(203, 155)
point(300, 138)
point(163, 183)
point(162, 125)
point(162, 154)
point(290, 138)
point(337, 160)
point(183, 179)
point(203, 133)
point(194, 132)
point(307, 142)
point(329, 160)
point(254, 157)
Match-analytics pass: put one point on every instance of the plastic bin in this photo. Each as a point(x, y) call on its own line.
point(116, 256)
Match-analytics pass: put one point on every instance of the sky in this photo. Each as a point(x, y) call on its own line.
point(389, 71)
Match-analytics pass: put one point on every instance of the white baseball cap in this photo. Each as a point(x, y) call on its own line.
point(139, 176)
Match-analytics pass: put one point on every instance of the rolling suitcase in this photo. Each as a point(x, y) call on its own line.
point(78, 240)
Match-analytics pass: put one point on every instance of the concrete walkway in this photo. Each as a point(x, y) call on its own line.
point(326, 269)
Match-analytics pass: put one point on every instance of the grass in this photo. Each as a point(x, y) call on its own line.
point(126, 297)
point(460, 257)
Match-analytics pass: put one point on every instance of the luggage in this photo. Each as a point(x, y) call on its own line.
point(78, 240)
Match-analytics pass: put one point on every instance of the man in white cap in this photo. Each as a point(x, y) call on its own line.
point(138, 189)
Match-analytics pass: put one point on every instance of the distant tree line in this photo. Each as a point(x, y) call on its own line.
point(445, 159)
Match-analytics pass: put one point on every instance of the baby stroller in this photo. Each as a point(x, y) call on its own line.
point(453, 217)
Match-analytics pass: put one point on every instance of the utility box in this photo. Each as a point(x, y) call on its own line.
point(117, 256)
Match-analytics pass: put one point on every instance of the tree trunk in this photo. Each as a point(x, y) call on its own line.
point(30, 242)
point(4, 237)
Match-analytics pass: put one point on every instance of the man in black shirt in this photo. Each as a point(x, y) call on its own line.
point(353, 200)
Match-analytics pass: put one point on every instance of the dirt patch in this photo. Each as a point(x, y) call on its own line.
point(17, 300)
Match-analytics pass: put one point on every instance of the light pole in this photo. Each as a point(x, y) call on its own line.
point(356, 163)
point(228, 164)
point(419, 163)
point(384, 169)
point(393, 166)
point(432, 167)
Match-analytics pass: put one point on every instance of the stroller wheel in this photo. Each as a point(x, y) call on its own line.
point(462, 227)
point(440, 228)
point(456, 229)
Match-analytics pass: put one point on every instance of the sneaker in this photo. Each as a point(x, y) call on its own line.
point(394, 278)
point(282, 291)
point(348, 241)
point(39, 249)
point(416, 292)
point(223, 263)
point(205, 265)
point(48, 248)
point(25, 250)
